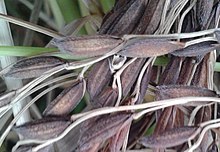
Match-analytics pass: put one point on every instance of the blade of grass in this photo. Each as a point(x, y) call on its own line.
point(43, 16)
point(57, 12)
point(84, 11)
point(12, 9)
point(24, 51)
point(33, 19)
point(70, 11)
point(29, 25)
point(107, 5)
point(217, 67)
point(161, 61)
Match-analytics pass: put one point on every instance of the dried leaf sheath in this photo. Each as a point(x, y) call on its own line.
point(45, 128)
point(67, 100)
point(169, 138)
point(87, 46)
point(33, 67)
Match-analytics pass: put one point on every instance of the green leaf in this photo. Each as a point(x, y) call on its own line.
point(217, 67)
point(150, 130)
point(107, 5)
point(161, 61)
point(24, 51)
point(71, 11)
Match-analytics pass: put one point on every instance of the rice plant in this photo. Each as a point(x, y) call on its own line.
point(110, 76)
